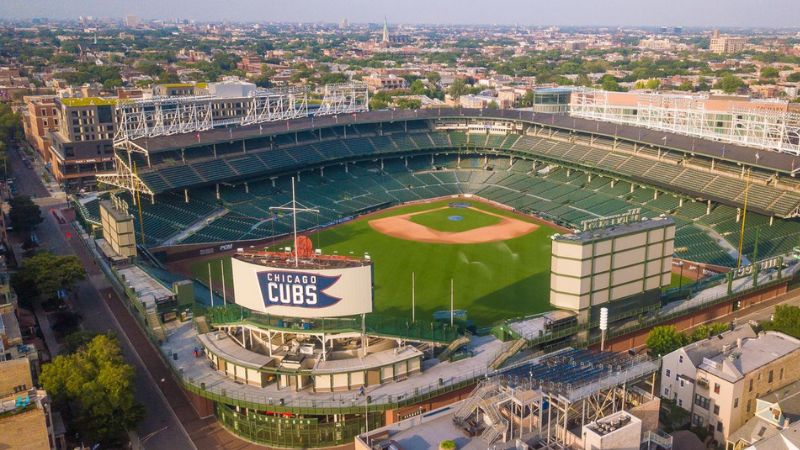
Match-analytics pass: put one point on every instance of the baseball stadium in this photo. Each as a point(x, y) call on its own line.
point(353, 268)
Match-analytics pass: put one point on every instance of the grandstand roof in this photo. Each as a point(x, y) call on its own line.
point(781, 162)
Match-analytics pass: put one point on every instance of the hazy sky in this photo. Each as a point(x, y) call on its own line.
point(722, 13)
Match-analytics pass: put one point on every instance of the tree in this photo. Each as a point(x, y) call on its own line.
point(458, 88)
point(25, 215)
point(786, 319)
point(97, 385)
point(433, 77)
point(769, 72)
point(417, 87)
point(492, 105)
point(729, 83)
point(665, 339)
point(44, 274)
point(793, 77)
point(408, 103)
point(609, 83)
point(705, 331)
point(685, 86)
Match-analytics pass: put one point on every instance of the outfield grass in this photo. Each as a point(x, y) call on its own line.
point(441, 220)
point(493, 281)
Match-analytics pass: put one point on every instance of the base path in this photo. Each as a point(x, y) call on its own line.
point(402, 227)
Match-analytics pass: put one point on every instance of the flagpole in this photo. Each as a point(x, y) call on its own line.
point(451, 302)
point(413, 312)
point(294, 226)
point(210, 285)
point(222, 274)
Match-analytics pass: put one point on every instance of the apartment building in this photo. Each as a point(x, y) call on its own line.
point(40, 116)
point(82, 145)
point(377, 83)
point(719, 380)
point(726, 45)
point(26, 419)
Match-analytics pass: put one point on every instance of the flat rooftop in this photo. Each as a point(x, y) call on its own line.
point(608, 232)
point(148, 289)
point(754, 353)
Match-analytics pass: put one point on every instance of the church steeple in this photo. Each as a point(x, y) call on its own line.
point(385, 31)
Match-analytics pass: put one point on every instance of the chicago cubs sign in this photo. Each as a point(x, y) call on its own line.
point(300, 289)
point(302, 292)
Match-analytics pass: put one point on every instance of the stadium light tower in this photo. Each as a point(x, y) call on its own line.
point(603, 327)
point(294, 209)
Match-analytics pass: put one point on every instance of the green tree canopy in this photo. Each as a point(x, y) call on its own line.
point(786, 319)
point(458, 88)
point(609, 83)
point(665, 339)
point(97, 385)
point(408, 103)
point(25, 215)
point(769, 72)
point(729, 83)
point(44, 274)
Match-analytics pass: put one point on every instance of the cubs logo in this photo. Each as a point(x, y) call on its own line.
point(301, 289)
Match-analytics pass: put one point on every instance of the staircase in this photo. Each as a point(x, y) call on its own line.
point(202, 325)
point(469, 405)
point(506, 353)
point(455, 345)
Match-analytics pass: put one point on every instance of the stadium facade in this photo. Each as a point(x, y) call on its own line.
point(321, 369)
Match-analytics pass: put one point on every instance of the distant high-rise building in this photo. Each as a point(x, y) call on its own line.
point(677, 30)
point(726, 44)
point(131, 21)
point(385, 39)
point(343, 24)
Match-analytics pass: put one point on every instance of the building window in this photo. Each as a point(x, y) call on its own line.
point(680, 402)
point(682, 382)
point(697, 420)
point(680, 359)
point(701, 401)
point(719, 427)
point(667, 373)
point(780, 377)
point(716, 410)
point(716, 388)
point(748, 404)
point(666, 392)
point(750, 389)
point(769, 377)
point(736, 402)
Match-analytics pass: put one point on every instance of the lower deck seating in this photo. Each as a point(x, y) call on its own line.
point(563, 196)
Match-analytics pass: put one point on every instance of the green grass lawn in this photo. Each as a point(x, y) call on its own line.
point(679, 281)
point(440, 220)
point(493, 281)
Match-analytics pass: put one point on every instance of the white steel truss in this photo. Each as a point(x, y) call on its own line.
point(276, 104)
point(344, 98)
point(125, 178)
point(162, 116)
point(756, 127)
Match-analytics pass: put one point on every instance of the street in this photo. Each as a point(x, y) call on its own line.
point(160, 423)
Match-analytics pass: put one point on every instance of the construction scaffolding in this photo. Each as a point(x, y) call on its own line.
point(760, 125)
point(344, 98)
point(548, 400)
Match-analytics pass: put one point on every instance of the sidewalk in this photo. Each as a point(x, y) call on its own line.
point(49, 337)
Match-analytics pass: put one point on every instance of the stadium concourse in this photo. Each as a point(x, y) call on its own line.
point(220, 190)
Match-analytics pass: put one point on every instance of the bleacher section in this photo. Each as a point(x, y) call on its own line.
point(287, 153)
point(564, 196)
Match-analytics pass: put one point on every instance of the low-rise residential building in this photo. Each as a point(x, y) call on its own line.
point(26, 419)
point(377, 83)
point(774, 413)
point(726, 374)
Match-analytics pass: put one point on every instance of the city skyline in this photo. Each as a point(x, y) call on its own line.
point(771, 14)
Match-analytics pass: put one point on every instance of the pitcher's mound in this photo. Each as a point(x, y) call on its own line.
point(401, 227)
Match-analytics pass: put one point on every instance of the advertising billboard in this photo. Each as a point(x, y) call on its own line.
point(303, 292)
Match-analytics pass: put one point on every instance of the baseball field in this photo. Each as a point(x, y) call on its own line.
point(499, 261)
